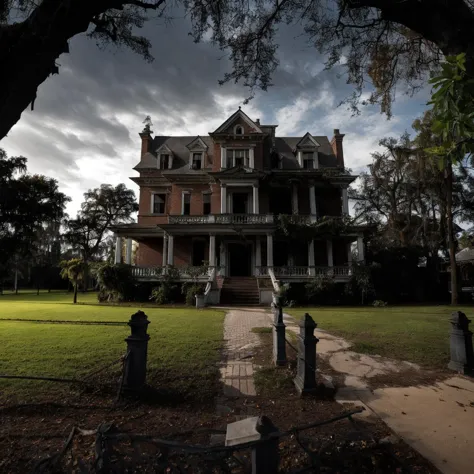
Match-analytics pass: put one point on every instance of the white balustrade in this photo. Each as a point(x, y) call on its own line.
point(147, 272)
point(223, 219)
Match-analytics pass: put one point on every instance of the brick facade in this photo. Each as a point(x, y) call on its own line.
point(277, 169)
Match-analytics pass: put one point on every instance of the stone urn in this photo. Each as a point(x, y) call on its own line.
point(199, 301)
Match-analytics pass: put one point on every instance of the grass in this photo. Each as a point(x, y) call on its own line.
point(418, 334)
point(184, 345)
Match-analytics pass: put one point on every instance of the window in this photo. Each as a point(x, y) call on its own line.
point(206, 204)
point(197, 161)
point(239, 130)
point(238, 158)
point(186, 204)
point(308, 161)
point(159, 203)
point(164, 162)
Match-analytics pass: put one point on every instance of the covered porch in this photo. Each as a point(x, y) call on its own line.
point(259, 255)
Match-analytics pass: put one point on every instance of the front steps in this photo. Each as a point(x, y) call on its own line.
point(240, 291)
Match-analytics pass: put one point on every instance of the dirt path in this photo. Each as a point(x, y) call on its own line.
point(435, 417)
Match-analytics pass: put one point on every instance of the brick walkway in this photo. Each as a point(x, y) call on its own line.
point(237, 370)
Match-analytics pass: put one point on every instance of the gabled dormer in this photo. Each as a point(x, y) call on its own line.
point(197, 153)
point(307, 152)
point(165, 157)
point(238, 124)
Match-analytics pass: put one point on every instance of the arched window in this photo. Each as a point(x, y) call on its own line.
point(238, 130)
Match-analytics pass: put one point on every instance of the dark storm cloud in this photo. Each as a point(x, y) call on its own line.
point(94, 108)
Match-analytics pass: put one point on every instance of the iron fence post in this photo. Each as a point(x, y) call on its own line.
point(460, 344)
point(279, 336)
point(136, 360)
point(305, 380)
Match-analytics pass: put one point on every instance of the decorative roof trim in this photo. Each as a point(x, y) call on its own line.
point(233, 117)
point(309, 137)
point(197, 141)
point(164, 148)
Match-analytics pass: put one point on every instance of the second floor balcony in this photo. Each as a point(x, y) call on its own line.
point(240, 219)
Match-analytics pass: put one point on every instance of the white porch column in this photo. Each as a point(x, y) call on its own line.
point(165, 250)
point(128, 254)
point(312, 203)
point(360, 248)
point(251, 159)
point(170, 250)
point(349, 254)
point(212, 250)
point(329, 252)
point(118, 249)
point(345, 202)
point(223, 199)
point(269, 250)
point(255, 199)
point(223, 157)
point(311, 269)
point(222, 260)
point(294, 199)
point(258, 255)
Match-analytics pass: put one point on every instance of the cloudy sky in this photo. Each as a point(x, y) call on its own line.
point(84, 129)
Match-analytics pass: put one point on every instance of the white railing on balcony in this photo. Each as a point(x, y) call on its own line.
point(147, 272)
point(304, 271)
point(223, 219)
point(189, 219)
point(338, 271)
point(244, 218)
point(301, 219)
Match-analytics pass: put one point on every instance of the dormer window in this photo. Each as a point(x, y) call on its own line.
point(308, 161)
point(197, 153)
point(165, 157)
point(197, 161)
point(164, 162)
point(238, 130)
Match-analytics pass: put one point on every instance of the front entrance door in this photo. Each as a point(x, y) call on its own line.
point(239, 259)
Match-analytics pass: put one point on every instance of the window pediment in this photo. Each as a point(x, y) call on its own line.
point(197, 145)
point(308, 142)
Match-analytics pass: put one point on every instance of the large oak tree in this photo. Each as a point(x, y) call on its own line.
point(384, 41)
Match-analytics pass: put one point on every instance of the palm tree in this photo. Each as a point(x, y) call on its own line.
point(73, 270)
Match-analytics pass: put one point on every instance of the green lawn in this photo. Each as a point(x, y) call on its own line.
point(415, 333)
point(183, 350)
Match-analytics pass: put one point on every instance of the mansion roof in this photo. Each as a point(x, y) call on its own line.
point(284, 146)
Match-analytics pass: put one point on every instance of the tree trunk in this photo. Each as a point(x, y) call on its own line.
point(28, 50)
point(451, 243)
point(75, 293)
point(15, 287)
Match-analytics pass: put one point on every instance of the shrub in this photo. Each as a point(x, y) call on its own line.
point(115, 282)
point(379, 303)
point(189, 290)
point(321, 290)
point(162, 294)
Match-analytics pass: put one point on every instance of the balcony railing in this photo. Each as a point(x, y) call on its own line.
point(186, 273)
point(147, 272)
point(202, 273)
point(306, 271)
point(223, 219)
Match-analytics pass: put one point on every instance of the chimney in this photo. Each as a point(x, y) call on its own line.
point(147, 140)
point(257, 122)
point(336, 144)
